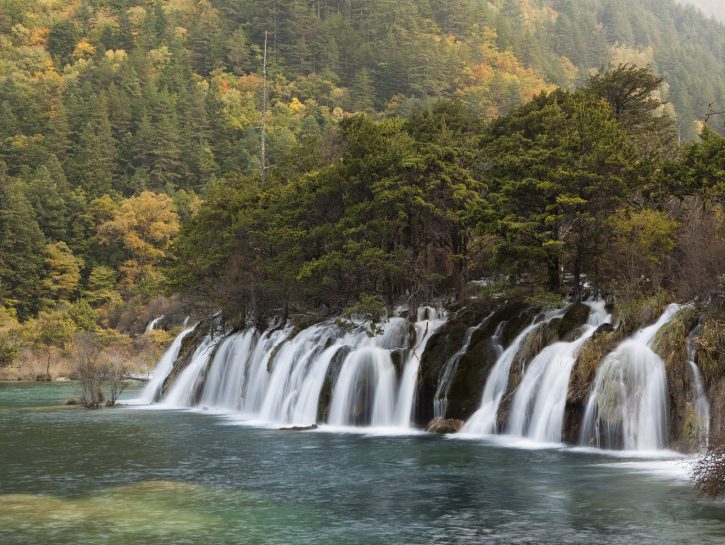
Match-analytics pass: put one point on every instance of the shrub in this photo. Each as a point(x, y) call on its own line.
point(709, 470)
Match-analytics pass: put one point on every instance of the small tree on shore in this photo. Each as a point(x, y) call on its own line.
point(49, 333)
point(87, 354)
point(709, 470)
point(100, 363)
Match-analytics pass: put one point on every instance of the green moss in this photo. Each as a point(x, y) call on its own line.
point(636, 313)
point(670, 343)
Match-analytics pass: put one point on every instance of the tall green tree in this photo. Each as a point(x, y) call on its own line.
point(21, 249)
point(559, 166)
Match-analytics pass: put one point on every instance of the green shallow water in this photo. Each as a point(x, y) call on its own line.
point(127, 476)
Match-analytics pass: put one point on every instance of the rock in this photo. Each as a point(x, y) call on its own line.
point(444, 425)
point(300, 428)
point(467, 383)
point(603, 329)
point(325, 399)
point(574, 318)
point(73, 402)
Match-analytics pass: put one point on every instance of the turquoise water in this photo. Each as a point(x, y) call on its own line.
point(127, 476)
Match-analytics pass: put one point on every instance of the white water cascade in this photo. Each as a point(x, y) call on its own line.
point(540, 400)
point(152, 390)
point(182, 391)
point(702, 405)
point(484, 420)
point(428, 322)
point(627, 406)
point(154, 323)
point(278, 378)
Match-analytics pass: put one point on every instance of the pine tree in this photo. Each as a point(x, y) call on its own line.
point(46, 192)
point(21, 245)
point(62, 274)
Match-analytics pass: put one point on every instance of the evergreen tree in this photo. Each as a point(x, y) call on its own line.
point(21, 245)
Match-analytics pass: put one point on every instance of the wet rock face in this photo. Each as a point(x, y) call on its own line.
point(467, 384)
point(716, 395)
point(441, 346)
point(574, 318)
point(464, 396)
point(444, 425)
point(323, 407)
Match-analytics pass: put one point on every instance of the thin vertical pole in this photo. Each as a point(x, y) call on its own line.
point(263, 158)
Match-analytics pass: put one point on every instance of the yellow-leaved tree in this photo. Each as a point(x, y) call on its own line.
point(143, 225)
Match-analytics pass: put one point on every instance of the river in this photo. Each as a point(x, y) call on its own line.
point(129, 475)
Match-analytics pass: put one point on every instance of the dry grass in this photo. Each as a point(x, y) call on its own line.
point(711, 350)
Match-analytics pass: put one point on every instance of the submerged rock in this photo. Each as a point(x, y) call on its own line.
point(444, 425)
point(300, 428)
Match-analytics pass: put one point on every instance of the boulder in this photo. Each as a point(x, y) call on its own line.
point(444, 425)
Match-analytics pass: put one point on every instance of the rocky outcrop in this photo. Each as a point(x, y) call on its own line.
point(444, 425)
point(474, 366)
point(325, 400)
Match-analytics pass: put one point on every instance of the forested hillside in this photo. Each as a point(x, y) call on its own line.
point(712, 8)
point(123, 122)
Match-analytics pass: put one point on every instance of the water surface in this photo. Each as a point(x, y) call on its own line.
point(119, 476)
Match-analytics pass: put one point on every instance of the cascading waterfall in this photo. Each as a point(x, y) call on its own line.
point(152, 390)
point(429, 321)
point(181, 393)
point(540, 400)
point(627, 406)
point(154, 323)
point(275, 377)
point(440, 399)
point(702, 405)
point(225, 379)
point(484, 420)
point(366, 383)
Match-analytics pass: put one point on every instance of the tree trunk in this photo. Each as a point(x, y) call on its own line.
point(552, 264)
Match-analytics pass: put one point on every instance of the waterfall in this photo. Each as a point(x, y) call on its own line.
point(163, 368)
point(540, 400)
point(483, 421)
point(181, 393)
point(627, 406)
point(153, 323)
point(277, 377)
point(702, 405)
point(440, 399)
point(225, 379)
point(289, 370)
point(424, 330)
point(365, 390)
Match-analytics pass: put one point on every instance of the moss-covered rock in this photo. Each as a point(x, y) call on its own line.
point(670, 344)
point(573, 319)
point(603, 341)
point(441, 346)
point(468, 381)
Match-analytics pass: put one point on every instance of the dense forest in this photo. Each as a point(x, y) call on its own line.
point(712, 8)
point(412, 147)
